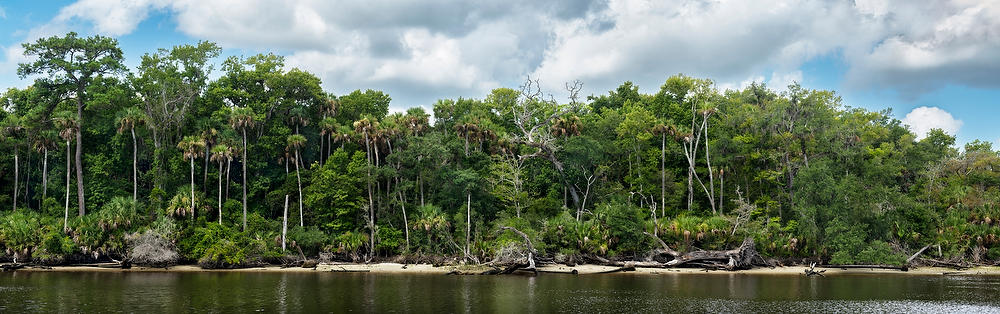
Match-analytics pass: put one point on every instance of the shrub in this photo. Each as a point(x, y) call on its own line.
point(389, 240)
point(310, 239)
point(151, 248)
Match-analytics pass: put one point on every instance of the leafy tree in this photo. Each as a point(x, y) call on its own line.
point(75, 62)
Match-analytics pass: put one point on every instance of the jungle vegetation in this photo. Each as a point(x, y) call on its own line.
point(160, 163)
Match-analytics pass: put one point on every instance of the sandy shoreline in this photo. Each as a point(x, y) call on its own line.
point(395, 268)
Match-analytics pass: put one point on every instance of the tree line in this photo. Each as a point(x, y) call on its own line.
point(236, 170)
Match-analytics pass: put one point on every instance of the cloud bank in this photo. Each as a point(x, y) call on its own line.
point(419, 51)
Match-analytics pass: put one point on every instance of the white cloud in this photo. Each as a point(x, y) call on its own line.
point(420, 50)
point(109, 17)
point(3, 13)
point(922, 119)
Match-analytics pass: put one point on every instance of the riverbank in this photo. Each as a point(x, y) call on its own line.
point(390, 268)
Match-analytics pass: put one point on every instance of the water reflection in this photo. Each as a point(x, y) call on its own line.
point(381, 293)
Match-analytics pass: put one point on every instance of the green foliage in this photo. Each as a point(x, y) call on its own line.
point(798, 171)
point(390, 240)
point(624, 224)
point(310, 239)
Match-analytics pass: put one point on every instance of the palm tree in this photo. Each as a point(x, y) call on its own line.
point(66, 122)
point(192, 147)
point(128, 118)
point(221, 153)
point(210, 135)
point(663, 130)
point(342, 135)
point(366, 128)
point(43, 143)
point(327, 128)
point(242, 119)
point(13, 129)
point(296, 142)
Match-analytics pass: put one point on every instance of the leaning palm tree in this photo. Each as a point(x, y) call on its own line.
point(242, 119)
point(221, 153)
point(128, 118)
point(192, 147)
point(44, 142)
point(296, 142)
point(13, 129)
point(66, 122)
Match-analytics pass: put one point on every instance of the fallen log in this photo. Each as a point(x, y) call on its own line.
point(811, 271)
point(914, 256)
point(934, 262)
point(530, 266)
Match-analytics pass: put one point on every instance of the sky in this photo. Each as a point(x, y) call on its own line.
point(935, 64)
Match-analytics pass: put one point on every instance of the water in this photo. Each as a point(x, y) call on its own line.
point(151, 292)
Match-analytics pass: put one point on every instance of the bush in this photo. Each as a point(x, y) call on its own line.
point(389, 240)
point(310, 239)
point(350, 243)
point(624, 224)
point(151, 248)
point(879, 253)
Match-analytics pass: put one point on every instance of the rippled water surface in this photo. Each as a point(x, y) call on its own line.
point(73, 292)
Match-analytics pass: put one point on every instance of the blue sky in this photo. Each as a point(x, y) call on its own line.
point(934, 63)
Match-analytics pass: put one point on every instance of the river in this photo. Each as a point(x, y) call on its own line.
point(176, 292)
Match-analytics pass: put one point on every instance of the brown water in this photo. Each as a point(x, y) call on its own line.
point(74, 292)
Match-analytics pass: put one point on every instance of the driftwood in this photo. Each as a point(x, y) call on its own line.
point(811, 271)
point(914, 256)
point(743, 257)
point(934, 262)
point(530, 266)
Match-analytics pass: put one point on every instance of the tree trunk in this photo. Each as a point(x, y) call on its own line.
point(299, 178)
point(68, 168)
point(244, 179)
point(193, 210)
point(284, 224)
point(220, 192)
point(79, 152)
point(406, 225)
point(45, 177)
point(663, 173)
point(16, 178)
point(27, 177)
point(135, 167)
point(468, 223)
point(229, 166)
point(204, 180)
point(371, 200)
point(708, 162)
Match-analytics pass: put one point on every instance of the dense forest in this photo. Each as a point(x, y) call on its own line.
point(162, 164)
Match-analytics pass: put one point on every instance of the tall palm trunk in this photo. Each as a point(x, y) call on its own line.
point(284, 224)
point(468, 223)
point(229, 166)
point(220, 192)
point(81, 202)
point(135, 168)
point(45, 176)
point(193, 210)
point(16, 178)
point(66, 213)
point(244, 179)
point(371, 198)
point(663, 173)
point(299, 178)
